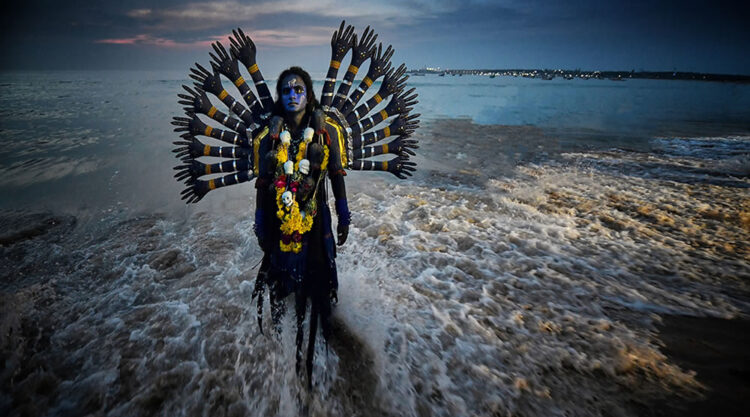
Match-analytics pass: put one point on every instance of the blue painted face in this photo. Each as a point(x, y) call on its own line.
point(293, 93)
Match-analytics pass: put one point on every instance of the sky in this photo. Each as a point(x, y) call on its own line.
point(587, 34)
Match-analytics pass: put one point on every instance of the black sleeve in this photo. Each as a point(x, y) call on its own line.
point(338, 187)
point(335, 164)
point(265, 161)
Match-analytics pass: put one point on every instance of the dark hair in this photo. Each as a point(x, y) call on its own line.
point(312, 102)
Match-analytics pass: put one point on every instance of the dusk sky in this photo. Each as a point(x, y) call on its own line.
point(587, 34)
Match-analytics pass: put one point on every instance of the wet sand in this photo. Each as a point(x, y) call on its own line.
point(717, 350)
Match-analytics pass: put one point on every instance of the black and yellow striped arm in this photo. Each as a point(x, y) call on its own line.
point(197, 189)
point(210, 82)
point(363, 165)
point(330, 83)
point(399, 166)
point(226, 136)
point(369, 151)
point(367, 123)
point(356, 96)
point(225, 151)
point(201, 187)
point(360, 140)
point(263, 90)
point(363, 109)
point(235, 165)
point(256, 108)
point(346, 83)
point(223, 118)
point(236, 107)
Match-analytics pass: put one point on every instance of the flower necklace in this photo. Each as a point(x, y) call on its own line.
point(290, 173)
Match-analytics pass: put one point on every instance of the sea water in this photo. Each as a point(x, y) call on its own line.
point(520, 271)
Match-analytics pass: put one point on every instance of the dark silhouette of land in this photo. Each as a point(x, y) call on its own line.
point(549, 74)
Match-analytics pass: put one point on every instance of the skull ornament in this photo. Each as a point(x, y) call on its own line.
point(304, 166)
point(286, 138)
point(286, 198)
point(288, 167)
point(308, 134)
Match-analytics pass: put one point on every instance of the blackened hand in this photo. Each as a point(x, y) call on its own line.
point(224, 63)
point(401, 167)
point(243, 48)
point(206, 80)
point(403, 147)
point(334, 296)
point(394, 81)
point(405, 124)
point(364, 48)
point(380, 63)
point(402, 103)
point(198, 100)
point(341, 41)
point(342, 231)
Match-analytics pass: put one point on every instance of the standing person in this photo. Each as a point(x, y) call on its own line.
point(290, 145)
point(292, 217)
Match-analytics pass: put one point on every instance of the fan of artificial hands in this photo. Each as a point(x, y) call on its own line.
point(288, 146)
point(253, 116)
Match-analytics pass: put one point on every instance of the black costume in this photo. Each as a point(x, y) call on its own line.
point(312, 274)
point(293, 220)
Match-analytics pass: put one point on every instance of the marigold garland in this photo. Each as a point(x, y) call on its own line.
point(324, 165)
point(300, 155)
point(294, 223)
point(282, 154)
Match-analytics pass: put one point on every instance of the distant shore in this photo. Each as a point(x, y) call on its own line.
point(550, 74)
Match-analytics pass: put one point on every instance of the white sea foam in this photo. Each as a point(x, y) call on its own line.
point(532, 295)
point(519, 275)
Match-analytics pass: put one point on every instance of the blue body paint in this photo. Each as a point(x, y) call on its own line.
point(293, 94)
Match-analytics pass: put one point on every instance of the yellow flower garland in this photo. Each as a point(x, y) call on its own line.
point(282, 154)
point(292, 221)
point(300, 154)
point(324, 165)
point(291, 218)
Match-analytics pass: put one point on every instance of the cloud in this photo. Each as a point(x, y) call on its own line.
point(210, 15)
point(311, 35)
point(230, 11)
point(272, 23)
point(142, 39)
point(139, 13)
point(303, 36)
point(307, 23)
point(145, 39)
